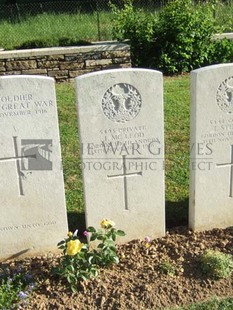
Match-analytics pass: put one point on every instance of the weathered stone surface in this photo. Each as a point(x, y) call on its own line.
point(98, 62)
point(71, 65)
point(58, 73)
point(35, 71)
point(13, 72)
point(61, 79)
point(49, 64)
point(67, 60)
point(32, 201)
point(73, 57)
point(121, 60)
point(55, 57)
point(113, 66)
point(21, 65)
point(127, 65)
point(106, 55)
point(73, 74)
point(221, 36)
point(116, 54)
point(92, 56)
point(45, 58)
point(121, 130)
point(211, 175)
point(31, 58)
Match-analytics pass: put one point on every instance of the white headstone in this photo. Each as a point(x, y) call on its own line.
point(211, 182)
point(33, 214)
point(120, 116)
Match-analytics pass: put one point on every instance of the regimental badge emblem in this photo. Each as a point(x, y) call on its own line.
point(121, 103)
point(225, 95)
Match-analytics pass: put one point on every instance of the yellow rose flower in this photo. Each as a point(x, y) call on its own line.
point(105, 223)
point(70, 234)
point(73, 247)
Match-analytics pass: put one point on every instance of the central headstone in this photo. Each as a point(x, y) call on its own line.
point(120, 116)
point(32, 201)
point(211, 183)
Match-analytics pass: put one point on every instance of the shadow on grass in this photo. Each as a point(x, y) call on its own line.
point(177, 213)
point(76, 221)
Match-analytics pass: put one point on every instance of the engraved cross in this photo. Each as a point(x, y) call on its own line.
point(125, 175)
point(17, 158)
point(231, 172)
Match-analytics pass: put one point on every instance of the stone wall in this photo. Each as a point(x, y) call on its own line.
point(65, 63)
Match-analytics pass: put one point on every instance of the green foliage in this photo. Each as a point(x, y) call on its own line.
point(212, 304)
point(80, 261)
point(77, 267)
point(177, 39)
point(15, 288)
point(184, 36)
point(107, 252)
point(135, 25)
point(167, 268)
point(224, 15)
point(222, 51)
point(216, 264)
point(8, 295)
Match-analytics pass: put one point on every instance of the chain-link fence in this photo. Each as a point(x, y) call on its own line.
point(12, 10)
point(96, 14)
point(72, 21)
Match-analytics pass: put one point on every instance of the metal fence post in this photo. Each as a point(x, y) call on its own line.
point(98, 19)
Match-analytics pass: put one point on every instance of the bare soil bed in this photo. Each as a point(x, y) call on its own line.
point(138, 281)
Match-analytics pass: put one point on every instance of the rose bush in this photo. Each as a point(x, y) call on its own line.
point(81, 261)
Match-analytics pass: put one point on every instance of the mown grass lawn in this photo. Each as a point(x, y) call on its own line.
point(50, 30)
point(64, 29)
point(213, 304)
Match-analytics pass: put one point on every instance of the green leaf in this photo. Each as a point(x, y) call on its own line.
point(100, 238)
point(113, 249)
point(61, 247)
point(94, 273)
point(70, 268)
point(91, 229)
point(61, 243)
point(120, 233)
point(93, 237)
point(100, 246)
point(73, 288)
point(85, 277)
point(114, 236)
